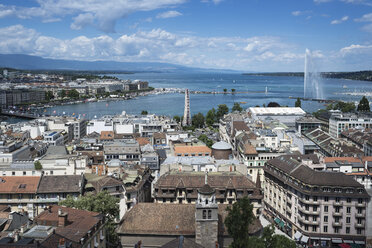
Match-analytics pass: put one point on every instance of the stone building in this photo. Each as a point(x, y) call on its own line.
point(322, 207)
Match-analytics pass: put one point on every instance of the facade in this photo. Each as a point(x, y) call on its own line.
point(306, 123)
point(286, 115)
point(322, 207)
point(182, 187)
point(196, 150)
point(16, 97)
point(126, 150)
point(339, 122)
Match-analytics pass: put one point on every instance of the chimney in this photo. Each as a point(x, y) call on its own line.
point(61, 243)
point(62, 218)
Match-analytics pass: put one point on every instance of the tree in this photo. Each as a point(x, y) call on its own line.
point(345, 107)
point(73, 94)
point(49, 95)
point(298, 103)
point(62, 94)
point(236, 107)
point(102, 203)
point(233, 91)
point(210, 118)
point(197, 120)
point(224, 90)
point(363, 105)
point(38, 165)
point(206, 140)
point(221, 111)
point(237, 222)
point(273, 105)
point(144, 112)
point(177, 118)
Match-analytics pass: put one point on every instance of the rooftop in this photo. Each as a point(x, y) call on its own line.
point(19, 184)
point(276, 111)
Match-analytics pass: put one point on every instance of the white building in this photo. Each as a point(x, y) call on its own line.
point(286, 115)
point(343, 121)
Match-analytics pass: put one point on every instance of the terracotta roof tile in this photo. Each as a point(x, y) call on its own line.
point(191, 149)
point(19, 184)
point(107, 135)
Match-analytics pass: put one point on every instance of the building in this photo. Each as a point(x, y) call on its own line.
point(191, 150)
point(53, 189)
point(306, 123)
point(20, 193)
point(182, 187)
point(331, 147)
point(322, 207)
point(339, 122)
point(74, 227)
point(127, 150)
point(286, 115)
point(17, 97)
point(156, 224)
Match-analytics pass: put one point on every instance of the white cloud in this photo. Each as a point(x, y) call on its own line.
point(339, 21)
point(101, 14)
point(213, 1)
point(168, 14)
point(297, 13)
point(356, 49)
point(366, 18)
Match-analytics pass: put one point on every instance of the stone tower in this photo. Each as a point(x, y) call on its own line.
point(206, 217)
point(187, 115)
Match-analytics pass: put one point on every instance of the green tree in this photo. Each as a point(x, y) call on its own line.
point(273, 105)
point(62, 94)
point(345, 107)
point(224, 90)
point(363, 105)
point(271, 240)
point(233, 91)
point(237, 222)
point(221, 111)
point(210, 118)
point(38, 165)
point(206, 140)
point(73, 94)
point(144, 112)
point(236, 107)
point(298, 102)
point(49, 95)
point(177, 118)
point(198, 120)
point(102, 203)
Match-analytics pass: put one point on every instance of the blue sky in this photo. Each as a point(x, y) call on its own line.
point(248, 35)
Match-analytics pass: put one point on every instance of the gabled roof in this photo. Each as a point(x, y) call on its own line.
point(60, 184)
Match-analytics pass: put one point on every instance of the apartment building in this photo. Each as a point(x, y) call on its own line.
point(321, 208)
point(339, 122)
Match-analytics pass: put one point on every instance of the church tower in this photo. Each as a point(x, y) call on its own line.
point(206, 217)
point(187, 115)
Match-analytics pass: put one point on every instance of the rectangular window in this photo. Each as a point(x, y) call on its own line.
point(209, 214)
point(348, 210)
point(347, 219)
point(325, 229)
point(204, 214)
point(325, 218)
point(326, 209)
point(326, 198)
point(347, 229)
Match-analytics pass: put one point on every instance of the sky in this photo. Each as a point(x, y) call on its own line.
point(244, 35)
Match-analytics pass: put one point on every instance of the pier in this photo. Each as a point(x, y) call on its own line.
point(23, 115)
point(315, 100)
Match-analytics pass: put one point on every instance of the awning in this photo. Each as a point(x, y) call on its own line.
point(337, 241)
point(348, 241)
point(314, 238)
point(344, 245)
point(297, 236)
point(355, 246)
point(277, 220)
point(325, 238)
point(359, 242)
point(304, 239)
point(281, 224)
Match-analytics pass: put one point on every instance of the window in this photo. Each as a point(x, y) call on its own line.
point(348, 210)
point(314, 228)
point(315, 208)
point(347, 219)
point(359, 231)
point(209, 214)
point(314, 218)
point(24, 173)
point(306, 228)
point(337, 209)
point(204, 214)
point(348, 200)
point(326, 198)
point(325, 218)
point(325, 229)
point(13, 173)
point(337, 199)
point(326, 209)
point(347, 229)
point(337, 230)
point(315, 198)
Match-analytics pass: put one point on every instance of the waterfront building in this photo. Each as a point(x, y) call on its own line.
point(322, 207)
point(25, 96)
point(339, 122)
point(307, 122)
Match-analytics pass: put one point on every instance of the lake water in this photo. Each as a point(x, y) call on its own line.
point(279, 90)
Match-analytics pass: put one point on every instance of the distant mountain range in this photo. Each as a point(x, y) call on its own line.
point(28, 62)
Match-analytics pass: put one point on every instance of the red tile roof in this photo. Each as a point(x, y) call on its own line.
point(19, 184)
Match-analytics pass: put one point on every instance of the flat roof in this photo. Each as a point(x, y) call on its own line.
point(277, 111)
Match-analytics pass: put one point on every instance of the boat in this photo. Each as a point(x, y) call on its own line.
point(243, 102)
point(345, 87)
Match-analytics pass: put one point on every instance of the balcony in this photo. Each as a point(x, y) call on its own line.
point(309, 221)
point(337, 213)
point(338, 203)
point(360, 215)
point(361, 225)
point(363, 204)
point(339, 224)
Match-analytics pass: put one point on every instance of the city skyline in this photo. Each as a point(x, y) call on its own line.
point(222, 34)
